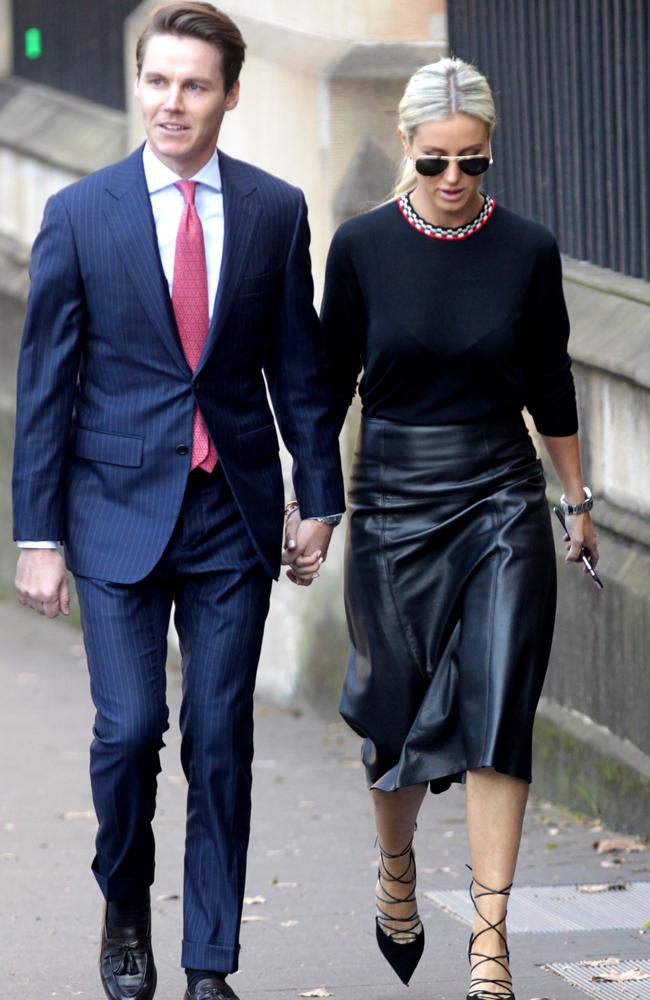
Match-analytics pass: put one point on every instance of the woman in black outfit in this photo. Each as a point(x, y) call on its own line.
point(453, 307)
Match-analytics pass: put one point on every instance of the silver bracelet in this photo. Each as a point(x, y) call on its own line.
point(577, 508)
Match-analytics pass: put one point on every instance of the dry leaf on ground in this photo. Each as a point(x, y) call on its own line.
point(251, 920)
point(612, 862)
point(603, 887)
point(631, 976)
point(73, 814)
point(629, 844)
point(166, 896)
point(289, 923)
point(320, 992)
point(254, 900)
point(601, 961)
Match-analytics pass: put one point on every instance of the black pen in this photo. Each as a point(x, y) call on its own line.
point(584, 552)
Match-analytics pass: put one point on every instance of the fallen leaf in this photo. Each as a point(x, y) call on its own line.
point(289, 923)
point(284, 885)
point(251, 920)
point(167, 895)
point(74, 814)
point(628, 844)
point(8, 827)
point(254, 900)
point(8, 856)
point(601, 961)
point(176, 779)
point(612, 862)
point(320, 992)
point(550, 846)
point(631, 976)
point(603, 887)
point(553, 831)
point(646, 926)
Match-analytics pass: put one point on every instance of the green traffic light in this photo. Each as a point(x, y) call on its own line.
point(33, 43)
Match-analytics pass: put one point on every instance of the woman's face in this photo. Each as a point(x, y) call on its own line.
point(452, 195)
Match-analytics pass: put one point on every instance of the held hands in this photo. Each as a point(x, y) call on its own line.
point(580, 532)
point(305, 548)
point(42, 582)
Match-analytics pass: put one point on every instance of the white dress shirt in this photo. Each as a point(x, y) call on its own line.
point(167, 205)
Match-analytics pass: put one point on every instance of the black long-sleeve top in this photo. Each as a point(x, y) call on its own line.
point(449, 331)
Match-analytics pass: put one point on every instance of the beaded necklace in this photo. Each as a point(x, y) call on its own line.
point(444, 232)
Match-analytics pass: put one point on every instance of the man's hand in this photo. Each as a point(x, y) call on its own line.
point(305, 548)
point(42, 581)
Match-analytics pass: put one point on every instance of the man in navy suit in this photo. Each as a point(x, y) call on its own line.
point(168, 291)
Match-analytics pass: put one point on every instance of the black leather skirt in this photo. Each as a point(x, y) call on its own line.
point(450, 594)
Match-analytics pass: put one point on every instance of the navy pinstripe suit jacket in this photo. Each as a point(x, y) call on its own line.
point(105, 396)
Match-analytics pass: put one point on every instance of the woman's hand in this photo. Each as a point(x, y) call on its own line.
point(305, 548)
point(580, 531)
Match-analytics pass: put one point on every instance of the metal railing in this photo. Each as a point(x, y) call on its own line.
point(572, 85)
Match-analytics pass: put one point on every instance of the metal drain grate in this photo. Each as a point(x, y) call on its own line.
point(550, 908)
point(581, 976)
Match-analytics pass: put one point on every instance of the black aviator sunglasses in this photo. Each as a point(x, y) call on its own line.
point(431, 166)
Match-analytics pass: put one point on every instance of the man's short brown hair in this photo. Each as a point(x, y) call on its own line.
point(195, 19)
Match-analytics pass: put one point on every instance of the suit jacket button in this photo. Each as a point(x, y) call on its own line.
point(182, 449)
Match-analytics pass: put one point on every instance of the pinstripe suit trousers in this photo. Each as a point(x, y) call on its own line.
point(212, 575)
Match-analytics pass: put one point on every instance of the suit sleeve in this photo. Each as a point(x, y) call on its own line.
point(48, 368)
point(296, 377)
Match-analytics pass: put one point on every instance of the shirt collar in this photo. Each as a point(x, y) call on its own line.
point(159, 176)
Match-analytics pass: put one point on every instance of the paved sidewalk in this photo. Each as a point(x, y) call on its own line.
point(311, 856)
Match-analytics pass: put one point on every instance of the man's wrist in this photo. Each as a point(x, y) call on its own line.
point(330, 519)
point(37, 545)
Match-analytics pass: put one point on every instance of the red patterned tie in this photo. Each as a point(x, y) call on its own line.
point(190, 302)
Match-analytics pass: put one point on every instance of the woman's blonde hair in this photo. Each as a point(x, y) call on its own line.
point(440, 90)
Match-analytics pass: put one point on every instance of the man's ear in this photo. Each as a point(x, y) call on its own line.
point(232, 97)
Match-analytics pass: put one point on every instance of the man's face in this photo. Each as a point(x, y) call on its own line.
point(181, 93)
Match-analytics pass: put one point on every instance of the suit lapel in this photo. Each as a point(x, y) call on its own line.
point(131, 221)
point(241, 213)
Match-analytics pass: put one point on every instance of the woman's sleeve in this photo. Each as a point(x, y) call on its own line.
point(343, 318)
point(551, 398)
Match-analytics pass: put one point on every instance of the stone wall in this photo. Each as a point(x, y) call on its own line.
point(592, 736)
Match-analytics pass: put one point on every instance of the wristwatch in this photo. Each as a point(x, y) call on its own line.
point(332, 519)
point(577, 508)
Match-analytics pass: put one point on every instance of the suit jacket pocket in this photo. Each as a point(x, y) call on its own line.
point(260, 284)
point(258, 445)
point(102, 446)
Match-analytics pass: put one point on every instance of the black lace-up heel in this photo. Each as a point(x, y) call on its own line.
point(503, 986)
point(401, 946)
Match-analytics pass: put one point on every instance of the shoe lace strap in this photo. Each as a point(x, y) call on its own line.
point(504, 985)
point(412, 924)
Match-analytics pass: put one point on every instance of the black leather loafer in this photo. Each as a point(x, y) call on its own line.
point(211, 989)
point(126, 964)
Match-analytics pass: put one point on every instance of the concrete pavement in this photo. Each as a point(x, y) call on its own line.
point(311, 857)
